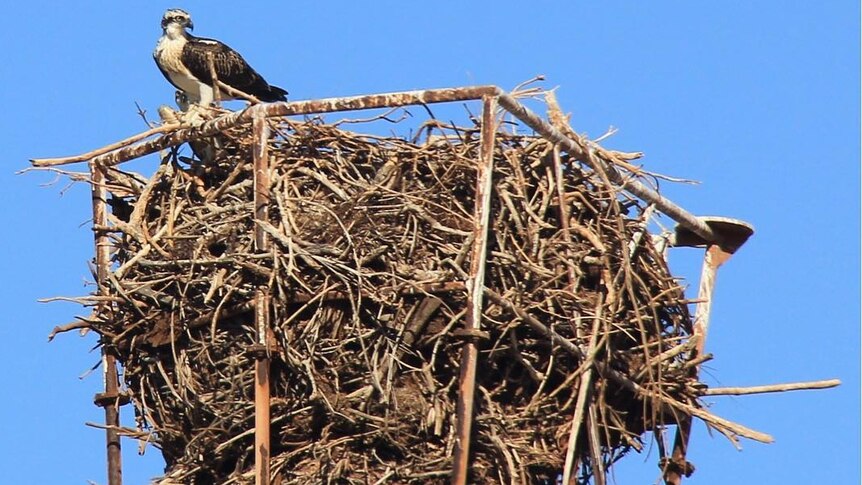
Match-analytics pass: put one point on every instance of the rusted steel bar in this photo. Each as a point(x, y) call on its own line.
point(261, 398)
point(734, 233)
point(110, 399)
point(580, 151)
point(475, 291)
point(260, 129)
point(678, 467)
point(327, 105)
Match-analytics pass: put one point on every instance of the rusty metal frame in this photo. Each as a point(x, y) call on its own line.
point(261, 351)
point(720, 243)
point(110, 400)
point(733, 234)
point(475, 291)
point(318, 106)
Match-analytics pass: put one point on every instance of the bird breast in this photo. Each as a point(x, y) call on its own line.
point(168, 54)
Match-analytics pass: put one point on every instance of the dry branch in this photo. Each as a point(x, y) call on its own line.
point(795, 386)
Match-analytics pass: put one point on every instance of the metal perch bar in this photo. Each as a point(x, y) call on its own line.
point(260, 130)
point(110, 399)
point(475, 285)
point(327, 105)
point(576, 148)
point(734, 234)
point(677, 467)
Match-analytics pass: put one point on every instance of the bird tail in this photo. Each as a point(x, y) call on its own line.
point(274, 93)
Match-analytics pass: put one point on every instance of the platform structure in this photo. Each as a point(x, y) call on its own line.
point(719, 237)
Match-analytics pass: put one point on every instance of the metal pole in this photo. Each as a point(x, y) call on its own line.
point(260, 130)
point(714, 257)
point(475, 290)
point(734, 233)
point(110, 399)
point(317, 106)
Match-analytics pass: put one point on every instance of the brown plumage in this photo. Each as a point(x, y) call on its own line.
point(184, 61)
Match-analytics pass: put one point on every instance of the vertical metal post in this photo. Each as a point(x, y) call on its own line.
point(714, 257)
point(260, 130)
point(110, 399)
point(733, 234)
point(475, 289)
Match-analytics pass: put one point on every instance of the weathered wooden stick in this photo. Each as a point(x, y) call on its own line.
point(598, 464)
point(722, 423)
point(237, 93)
point(583, 402)
point(52, 162)
point(793, 386)
point(215, 82)
point(80, 324)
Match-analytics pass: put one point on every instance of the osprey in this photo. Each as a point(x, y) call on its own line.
point(184, 61)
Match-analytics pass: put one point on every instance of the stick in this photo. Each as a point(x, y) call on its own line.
point(237, 93)
point(215, 82)
point(794, 386)
point(53, 162)
point(81, 323)
point(581, 405)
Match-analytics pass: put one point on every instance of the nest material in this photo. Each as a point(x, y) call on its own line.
point(369, 251)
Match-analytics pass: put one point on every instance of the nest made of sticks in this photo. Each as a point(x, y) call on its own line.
point(369, 251)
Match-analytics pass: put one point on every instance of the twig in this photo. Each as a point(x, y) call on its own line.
point(53, 162)
point(215, 81)
point(80, 324)
point(584, 386)
point(795, 386)
point(236, 93)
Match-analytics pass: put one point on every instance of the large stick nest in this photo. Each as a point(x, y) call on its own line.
point(369, 252)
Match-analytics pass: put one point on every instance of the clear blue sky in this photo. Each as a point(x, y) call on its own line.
point(757, 99)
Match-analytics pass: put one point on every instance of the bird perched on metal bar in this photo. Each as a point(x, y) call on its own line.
point(188, 63)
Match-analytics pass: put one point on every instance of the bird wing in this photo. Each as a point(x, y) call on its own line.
point(230, 67)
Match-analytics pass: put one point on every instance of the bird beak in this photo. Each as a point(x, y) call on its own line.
point(191, 26)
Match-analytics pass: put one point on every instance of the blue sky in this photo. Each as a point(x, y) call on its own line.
point(759, 100)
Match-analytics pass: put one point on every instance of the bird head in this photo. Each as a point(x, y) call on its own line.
point(175, 21)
